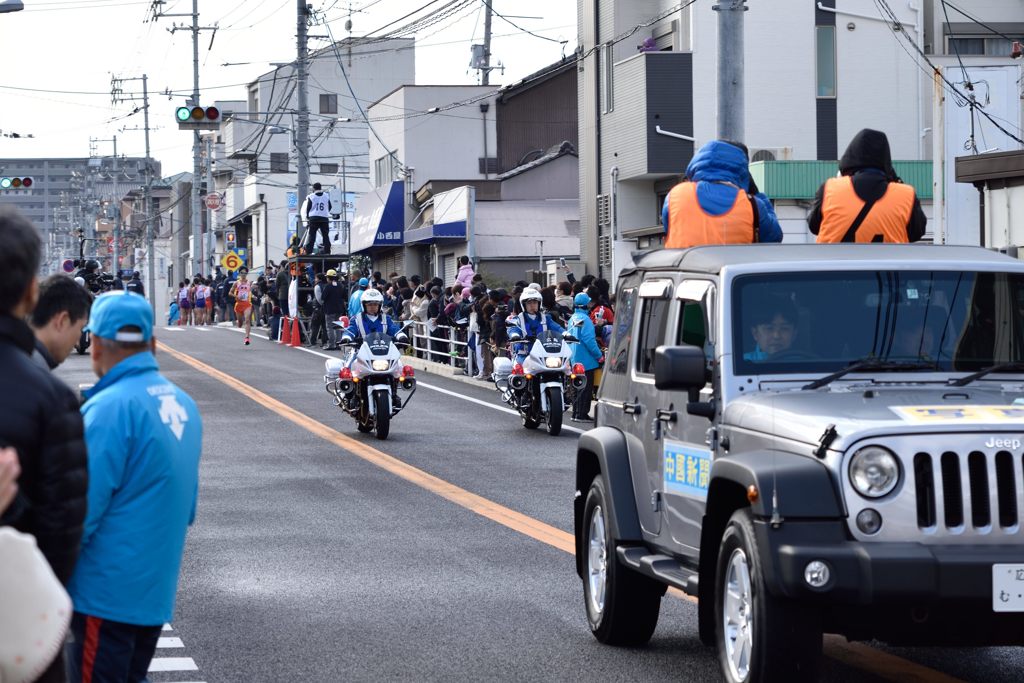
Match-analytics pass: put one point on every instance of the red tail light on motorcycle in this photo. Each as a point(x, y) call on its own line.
point(578, 369)
point(346, 373)
point(408, 371)
point(517, 369)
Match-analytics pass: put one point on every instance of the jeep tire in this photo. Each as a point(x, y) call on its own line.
point(759, 637)
point(622, 605)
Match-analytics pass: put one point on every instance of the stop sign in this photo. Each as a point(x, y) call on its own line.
point(213, 201)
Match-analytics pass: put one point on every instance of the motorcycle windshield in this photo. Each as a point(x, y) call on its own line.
point(551, 341)
point(378, 343)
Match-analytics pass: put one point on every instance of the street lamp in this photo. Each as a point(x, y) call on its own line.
point(11, 6)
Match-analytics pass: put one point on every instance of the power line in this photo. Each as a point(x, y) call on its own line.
point(978, 22)
point(524, 30)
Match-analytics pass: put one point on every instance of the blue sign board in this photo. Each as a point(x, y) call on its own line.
point(293, 201)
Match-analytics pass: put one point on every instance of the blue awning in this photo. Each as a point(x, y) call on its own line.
point(379, 219)
point(455, 230)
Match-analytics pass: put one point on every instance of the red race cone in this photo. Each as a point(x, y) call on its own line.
point(286, 332)
point(296, 334)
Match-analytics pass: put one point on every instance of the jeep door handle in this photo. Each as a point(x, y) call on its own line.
point(666, 415)
point(631, 408)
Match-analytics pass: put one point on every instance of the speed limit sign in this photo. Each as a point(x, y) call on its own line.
point(213, 201)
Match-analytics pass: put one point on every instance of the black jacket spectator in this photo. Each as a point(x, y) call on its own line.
point(41, 420)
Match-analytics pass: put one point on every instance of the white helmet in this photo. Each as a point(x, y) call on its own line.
point(371, 296)
point(530, 294)
point(80, 280)
point(534, 286)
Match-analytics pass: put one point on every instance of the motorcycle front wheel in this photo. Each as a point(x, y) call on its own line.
point(382, 421)
point(555, 411)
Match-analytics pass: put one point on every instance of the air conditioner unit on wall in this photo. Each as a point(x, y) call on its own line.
point(771, 153)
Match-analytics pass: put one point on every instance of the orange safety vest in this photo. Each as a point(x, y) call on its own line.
point(886, 221)
point(296, 267)
point(689, 225)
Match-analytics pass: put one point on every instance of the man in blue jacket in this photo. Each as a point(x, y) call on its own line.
point(144, 436)
point(586, 352)
point(371, 320)
point(354, 306)
point(718, 203)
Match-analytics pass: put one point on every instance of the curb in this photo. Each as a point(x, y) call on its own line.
point(445, 370)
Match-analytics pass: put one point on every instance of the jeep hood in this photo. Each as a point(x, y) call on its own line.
point(862, 410)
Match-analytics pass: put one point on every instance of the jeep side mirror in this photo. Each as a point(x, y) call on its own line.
point(679, 368)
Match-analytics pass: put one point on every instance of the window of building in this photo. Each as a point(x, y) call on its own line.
point(254, 166)
point(328, 168)
point(608, 51)
point(384, 169)
point(328, 103)
point(279, 162)
point(826, 61)
point(992, 46)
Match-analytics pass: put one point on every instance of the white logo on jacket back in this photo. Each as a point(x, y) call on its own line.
point(173, 414)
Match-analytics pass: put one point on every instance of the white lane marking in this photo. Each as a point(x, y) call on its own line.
point(173, 328)
point(167, 627)
point(169, 643)
point(172, 664)
point(433, 388)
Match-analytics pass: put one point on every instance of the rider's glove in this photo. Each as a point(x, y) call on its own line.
point(402, 337)
point(346, 338)
point(514, 336)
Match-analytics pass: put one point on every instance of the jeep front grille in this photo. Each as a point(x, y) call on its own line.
point(963, 494)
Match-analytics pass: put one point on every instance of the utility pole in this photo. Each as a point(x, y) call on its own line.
point(302, 120)
point(117, 218)
point(485, 78)
point(116, 96)
point(730, 69)
point(197, 148)
point(211, 212)
point(345, 225)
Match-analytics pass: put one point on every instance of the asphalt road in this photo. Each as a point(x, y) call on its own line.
point(316, 558)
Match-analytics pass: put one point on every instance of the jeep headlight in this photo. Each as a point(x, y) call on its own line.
point(553, 362)
point(874, 471)
point(381, 365)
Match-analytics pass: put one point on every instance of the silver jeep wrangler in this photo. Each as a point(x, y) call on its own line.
point(809, 439)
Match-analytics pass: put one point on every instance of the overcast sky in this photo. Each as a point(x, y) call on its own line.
point(69, 49)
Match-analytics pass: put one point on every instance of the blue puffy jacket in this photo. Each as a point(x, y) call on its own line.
point(354, 304)
point(144, 436)
point(716, 164)
point(586, 351)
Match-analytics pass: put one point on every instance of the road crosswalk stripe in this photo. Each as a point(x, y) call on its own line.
point(169, 643)
point(172, 664)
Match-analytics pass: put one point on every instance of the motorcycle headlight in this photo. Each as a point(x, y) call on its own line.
point(553, 362)
point(874, 471)
point(380, 365)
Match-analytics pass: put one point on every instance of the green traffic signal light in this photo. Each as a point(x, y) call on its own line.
point(5, 183)
point(183, 113)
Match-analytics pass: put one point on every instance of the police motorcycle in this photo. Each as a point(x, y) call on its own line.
point(365, 384)
point(541, 384)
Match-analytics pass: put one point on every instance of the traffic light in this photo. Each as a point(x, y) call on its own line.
point(229, 240)
point(197, 118)
point(15, 183)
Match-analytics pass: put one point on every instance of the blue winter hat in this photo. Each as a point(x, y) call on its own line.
point(116, 310)
point(363, 282)
point(582, 300)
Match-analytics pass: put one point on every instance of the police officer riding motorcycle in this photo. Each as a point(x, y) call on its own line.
point(366, 384)
point(537, 381)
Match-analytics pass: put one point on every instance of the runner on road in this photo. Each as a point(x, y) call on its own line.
point(242, 291)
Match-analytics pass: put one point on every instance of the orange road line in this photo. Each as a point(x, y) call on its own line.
point(856, 655)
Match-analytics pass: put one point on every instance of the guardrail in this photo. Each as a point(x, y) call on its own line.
point(443, 344)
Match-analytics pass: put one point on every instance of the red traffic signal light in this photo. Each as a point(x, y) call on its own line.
point(15, 183)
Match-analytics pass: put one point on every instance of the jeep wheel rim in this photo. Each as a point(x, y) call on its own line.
point(737, 615)
point(597, 562)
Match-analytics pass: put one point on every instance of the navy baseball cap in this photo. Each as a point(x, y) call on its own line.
point(116, 310)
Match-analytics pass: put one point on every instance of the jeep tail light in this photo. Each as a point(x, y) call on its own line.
point(346, 373)
point(408, 371)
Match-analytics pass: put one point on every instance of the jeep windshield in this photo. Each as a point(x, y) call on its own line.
point(887, 321)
